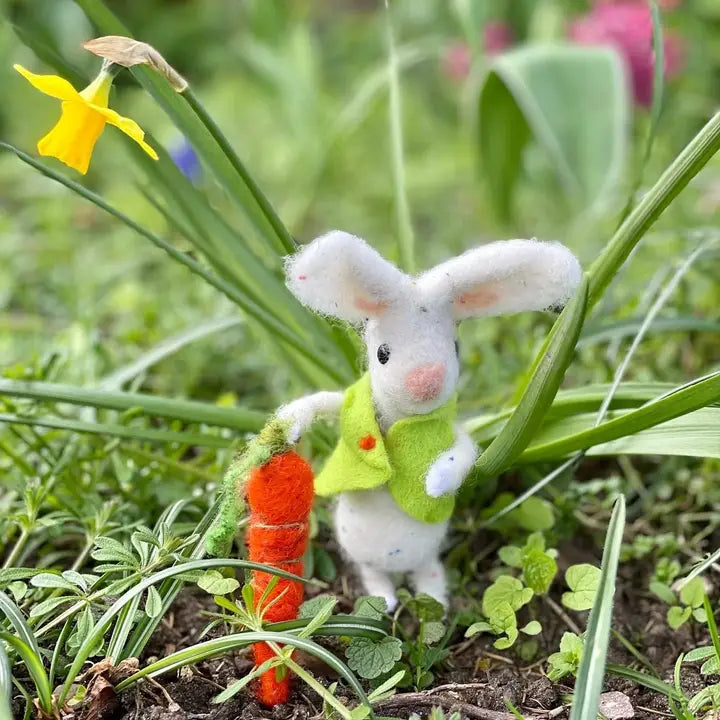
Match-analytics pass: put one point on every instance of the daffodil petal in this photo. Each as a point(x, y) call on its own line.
point(51, 85)
point(128, 126)
point(73, 138)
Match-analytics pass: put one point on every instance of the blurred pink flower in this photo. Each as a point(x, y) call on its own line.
point(627, 26)
point(497, 36)
point(664, 4)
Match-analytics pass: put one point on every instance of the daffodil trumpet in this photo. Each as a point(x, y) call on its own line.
point(83, 117)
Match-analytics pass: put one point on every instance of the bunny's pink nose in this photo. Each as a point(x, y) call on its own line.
point(425, 382)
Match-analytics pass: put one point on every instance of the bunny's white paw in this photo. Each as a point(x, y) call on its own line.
point(444, 476)
point(298, 418)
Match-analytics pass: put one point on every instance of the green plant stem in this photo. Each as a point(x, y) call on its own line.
point(406, 237)
point(17, 549)
point(683, 169)
point(712, 625)
point(285, 242)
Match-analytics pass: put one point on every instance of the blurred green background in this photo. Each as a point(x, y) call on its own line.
point(300, 90)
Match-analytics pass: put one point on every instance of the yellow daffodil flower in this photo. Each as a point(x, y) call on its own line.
point(84, 116)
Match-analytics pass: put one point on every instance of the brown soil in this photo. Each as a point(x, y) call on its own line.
point(475, 680)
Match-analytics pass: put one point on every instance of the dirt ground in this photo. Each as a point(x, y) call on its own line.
point(476, 680)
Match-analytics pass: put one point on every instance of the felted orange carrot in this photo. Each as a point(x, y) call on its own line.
point(278, 486)
point(280, 496)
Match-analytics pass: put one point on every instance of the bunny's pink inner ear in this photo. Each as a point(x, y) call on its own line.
point(482, 297)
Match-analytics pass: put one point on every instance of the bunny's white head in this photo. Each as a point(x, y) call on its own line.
point(410, 323)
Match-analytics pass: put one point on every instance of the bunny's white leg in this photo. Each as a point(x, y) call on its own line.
point(430, 579)
point(377, 582)
point(301, 413)
point(447, 473)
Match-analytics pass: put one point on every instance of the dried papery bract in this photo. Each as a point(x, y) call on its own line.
point(128, 52)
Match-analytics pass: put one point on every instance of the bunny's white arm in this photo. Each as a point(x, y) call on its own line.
point(447, 473)
point(301, 413)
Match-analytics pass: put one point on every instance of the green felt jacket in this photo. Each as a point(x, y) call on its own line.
point(364, 459)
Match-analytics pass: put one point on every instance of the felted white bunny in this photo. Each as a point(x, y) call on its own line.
point(401, 457)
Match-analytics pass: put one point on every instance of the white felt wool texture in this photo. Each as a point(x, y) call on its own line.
point(409, 327)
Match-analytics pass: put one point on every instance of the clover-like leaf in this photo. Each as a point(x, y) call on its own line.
point(477, 628)
point(539, 570)
point(215, 583)
point(567, 660)
point(534, 514)
point(692, 593)
point(370, 659)
point(678, 616)
point(508, 590)
point(511, 555)
point(583, 582)
point(532, 628)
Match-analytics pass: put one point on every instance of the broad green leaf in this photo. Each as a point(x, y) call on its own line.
point(433, 632)
point(597, 637)
point(701, 653)
point(678, 616)
point(478, 627)
point(539, 394)
point(422, 606)
point(370, 606)
point(311, 607)
point(532, 91)
point(371, 659)
point(683, 400)
point(711, 666)
point(583, 581)
point(534, 514)
point(50, 580)
point(215, 583)
point(663, 592)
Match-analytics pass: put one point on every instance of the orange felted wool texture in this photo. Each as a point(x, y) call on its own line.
point(280, 496)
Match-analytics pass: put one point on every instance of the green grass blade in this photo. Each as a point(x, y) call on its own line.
point(591, 674)
point(648, 681)
point(685, 399)
point(540, 392)
point(127, 432)
point(264, 318)
point(116, 608)
point(33, 663)
point(5, 686)
point(13, 613)
point(682, 170)
point(336, 625)
point(220, 646)
point(185, 410)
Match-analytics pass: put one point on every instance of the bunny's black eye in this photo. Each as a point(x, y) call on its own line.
point(383, 353)
point(457, 348)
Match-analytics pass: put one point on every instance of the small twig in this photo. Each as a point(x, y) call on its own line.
point(447, 703)
point(562, 615)
point(455, 687)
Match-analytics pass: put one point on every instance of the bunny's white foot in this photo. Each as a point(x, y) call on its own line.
point(378, 583)
point(430, 579)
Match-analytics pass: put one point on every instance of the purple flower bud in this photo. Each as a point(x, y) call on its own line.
point(186, 159)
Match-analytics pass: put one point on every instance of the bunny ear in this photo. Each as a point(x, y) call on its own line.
point(339, 274)
point(504, 277)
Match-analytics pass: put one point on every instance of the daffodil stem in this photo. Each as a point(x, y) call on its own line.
point(286, 244)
